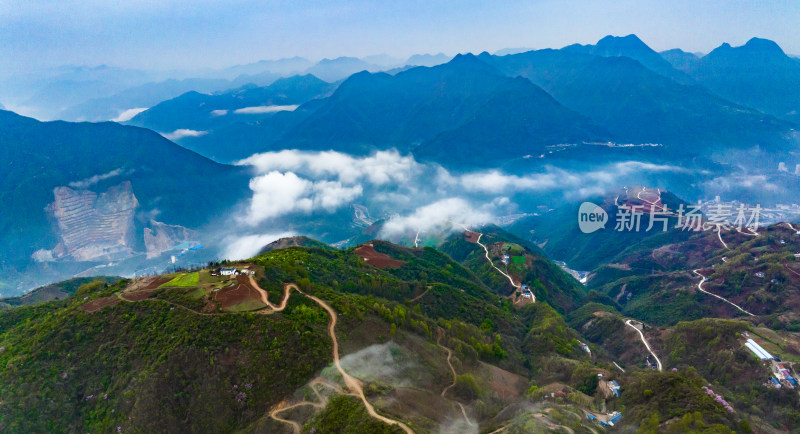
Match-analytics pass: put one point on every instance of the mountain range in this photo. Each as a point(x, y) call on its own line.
point(773, 86)
point(618, 90)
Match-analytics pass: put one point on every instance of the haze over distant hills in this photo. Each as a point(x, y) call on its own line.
point(103, 93)
point(773, 86)
point(633, 47)
point(530, 125)
point(58, 175)
point(370, 245)
point(623, 91)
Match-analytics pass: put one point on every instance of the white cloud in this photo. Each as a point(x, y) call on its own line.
point(497, 182)
point(181, 133)
point(727, 183)
point(128, 114)
point(249, 245)
point(265, 109)
point(276, 194)
point(331, 195)
point(413, 196)
point(85, 183)
point(553, 178)
point(441, 216)
point(293, 181)
point(218, 112)
point(380, 168)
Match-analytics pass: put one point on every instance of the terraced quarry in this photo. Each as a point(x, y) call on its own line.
point(91, 226)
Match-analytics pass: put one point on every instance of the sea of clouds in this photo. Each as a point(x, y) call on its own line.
point(414, 197)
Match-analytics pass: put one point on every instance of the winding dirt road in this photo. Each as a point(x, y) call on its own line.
point(421, 295)
point(719, 234)
point(703, 280)
point(646, 344)
point(351, 382)
point(453, 370)
point(486, 250)
point(322, 401)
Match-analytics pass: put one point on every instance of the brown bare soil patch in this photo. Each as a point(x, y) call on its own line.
point(99, 303)
point(471, 237)
point(625, 267)
point(377, 259)
point(504, 384)
point(240, 292)
point(155, 283)
point(138, 295)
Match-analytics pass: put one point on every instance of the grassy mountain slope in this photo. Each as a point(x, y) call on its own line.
point(55, 291)
point(547, 280)
point(174, 361)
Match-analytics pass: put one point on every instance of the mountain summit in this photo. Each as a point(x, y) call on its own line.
point(633, 47)
point(758, 74)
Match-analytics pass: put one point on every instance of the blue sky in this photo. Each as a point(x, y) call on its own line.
point(183, 34)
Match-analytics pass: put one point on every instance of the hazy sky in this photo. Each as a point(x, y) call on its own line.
point(164, 34)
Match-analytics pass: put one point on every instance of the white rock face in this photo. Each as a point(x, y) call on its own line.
point(161, 237)
point(92, 227)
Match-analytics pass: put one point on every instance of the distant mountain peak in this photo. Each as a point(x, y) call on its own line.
point(755, 49)
point(463, 57)
point(467, 59)
point(633, 47)
point(628, 41)
point(621, 45)
point(764, 45)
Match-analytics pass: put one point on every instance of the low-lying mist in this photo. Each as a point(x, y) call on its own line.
point(314, 193)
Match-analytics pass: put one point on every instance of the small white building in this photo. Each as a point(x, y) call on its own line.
point(760, 352)
point(228, 271)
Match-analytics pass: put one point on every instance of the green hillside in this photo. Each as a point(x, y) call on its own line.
point(431, 344)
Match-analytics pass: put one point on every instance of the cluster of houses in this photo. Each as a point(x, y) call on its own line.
point(233, 271)
point(513, 259)
point(781, 376)
point(526, 292)
point(610, 419)
point(612, 385)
